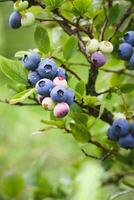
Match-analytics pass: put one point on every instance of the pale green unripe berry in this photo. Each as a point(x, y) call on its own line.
point(48, 103)
point(92, 45)
point(20, 5)
point(28, 19)
point(106, 47)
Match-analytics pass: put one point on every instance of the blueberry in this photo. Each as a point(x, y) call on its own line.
point(132, 62)
point(60, 81)
point(33, 77)
point(15, 20)
point(92, 45)
point(121, 127)
point(59, 94)
point(61, 72)
point(31, 60)
point(98, 59)
point(70, 96)
point(48, 103)
point(40, 98)
point(112, 134)
point(131, 130)
point(61, 110)
point(125, 51)
point(47, 68)
point(27, 19)
point(44, 86)
point(129, 37)
point(127, 142)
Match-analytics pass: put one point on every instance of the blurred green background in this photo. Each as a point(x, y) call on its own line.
point(47, 166)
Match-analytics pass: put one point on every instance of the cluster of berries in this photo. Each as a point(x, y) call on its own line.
point(123, 132)
point(19, 17)
point(98, 50)
point(50, 84)
point(125, 50)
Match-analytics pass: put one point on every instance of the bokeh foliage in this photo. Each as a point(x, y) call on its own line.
point(49, 164)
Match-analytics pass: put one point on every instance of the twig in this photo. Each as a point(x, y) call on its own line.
point(124, 17)
point(19, 103)
point(120, 71)
point(65, 67)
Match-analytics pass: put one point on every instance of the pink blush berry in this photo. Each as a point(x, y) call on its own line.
point(98, 59)
point(61, 110)
point(60, 81)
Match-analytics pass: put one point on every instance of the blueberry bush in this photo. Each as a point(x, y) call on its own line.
point(85, 143)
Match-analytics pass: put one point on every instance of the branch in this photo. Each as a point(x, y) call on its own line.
point(120, 71)
point(124, 17)
point(66, 68)
point(90, 86)
point(106, 116)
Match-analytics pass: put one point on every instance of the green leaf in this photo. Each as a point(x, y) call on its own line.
point(53, 4)
point(90, 100)
point(14, 70)
point(114, 13)
point(12, 185)
point(42, 39)
point(20, 54)
point(58, 123)
point(22, 96)
point(125, 195)
point(126, 88)
point(81, 7)
point(129, 181)
point(80, 132)
point(79, 117)
point(80, 87)
point(70, 47)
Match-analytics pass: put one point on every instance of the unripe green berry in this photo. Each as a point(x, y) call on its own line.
point(28, 19)
point(48, 103)
point(106, 47)
point(20, 5)
point(92, 45)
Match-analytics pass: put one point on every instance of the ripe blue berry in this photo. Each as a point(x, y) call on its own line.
point(112, 134)
point(98, 59)
point(132, 62)
point(131, 130)
point(31, 60)
point(59, 94)
point(70, 96)
point(61, 72)
point(129, 37)
point(121, 127)
point(33, 77)
point(61, 110)
point(15, 20)
point(127, 142)
point(47, 68)
point(44, 86)
point(125, 51)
